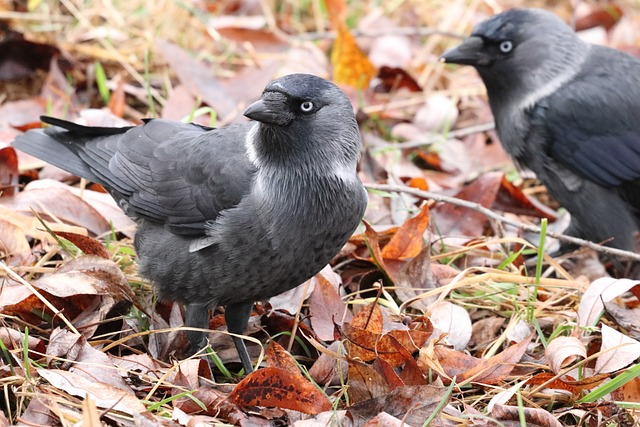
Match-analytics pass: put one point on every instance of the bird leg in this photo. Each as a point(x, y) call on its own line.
point(237, 316)
point(197, 316)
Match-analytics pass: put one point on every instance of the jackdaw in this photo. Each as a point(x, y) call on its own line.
point(567, 110)
point(231, 215)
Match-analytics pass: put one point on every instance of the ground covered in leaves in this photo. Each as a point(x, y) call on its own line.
point(444, 309)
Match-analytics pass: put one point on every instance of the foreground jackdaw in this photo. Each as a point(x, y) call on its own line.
point(567, 110)
point(231, 215)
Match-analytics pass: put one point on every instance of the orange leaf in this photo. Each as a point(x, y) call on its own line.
point(350, 65)
point(557, 383)
point(408, 240)
point(369, 319)
point(275, 387)
point(277, 357)
point(337, 11)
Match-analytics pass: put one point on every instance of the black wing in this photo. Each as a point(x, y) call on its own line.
point(594, 122)
point(169, 172)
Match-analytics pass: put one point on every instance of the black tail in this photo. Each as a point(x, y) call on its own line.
point(61, 144)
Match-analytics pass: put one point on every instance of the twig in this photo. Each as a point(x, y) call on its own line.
point(490, 214)
point(458, 133)
point(400, 31)
point(30, 16)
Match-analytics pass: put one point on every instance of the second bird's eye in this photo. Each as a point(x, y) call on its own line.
point(506, 46)
point(306, 106)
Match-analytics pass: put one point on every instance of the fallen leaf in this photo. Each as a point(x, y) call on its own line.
point(8, 171)
point(326, 306)
point(274, 387)
point(86, 244)
point(365, 382)
point(482, 371)
point(452, 320)
point(277, 357)
point(104, 395)
point(533, 417)
point(618, 351)
point(599, 292)
point(412, 404)
point(350, 65)
point(563, 351)
point(408, 241)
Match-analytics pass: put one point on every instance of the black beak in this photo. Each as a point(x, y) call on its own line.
point(270, 109)
point(469, 52)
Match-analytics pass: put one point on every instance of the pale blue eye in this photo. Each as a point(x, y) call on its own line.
point(306, 106)
point(506, 46)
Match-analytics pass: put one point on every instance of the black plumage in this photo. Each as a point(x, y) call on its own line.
point(231, 215)
point(567, 110)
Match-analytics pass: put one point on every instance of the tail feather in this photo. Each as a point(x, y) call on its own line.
point(41, 145)
point(62, 145)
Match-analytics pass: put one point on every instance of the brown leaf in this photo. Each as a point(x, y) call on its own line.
point(606, 15)
point(228, 97)
point(629, 392)
point(84, 360)
point(369, 319)
point(407, 242)
point(105, 395)
point(365, 382)
point(534, 417)
point(326, 307)
point(511, 199)
point(86, 289)
point(416, 278)
point(61, 203)
point(459, 221)
point(13, 340)
point(99, 200)
point(278, 388)
point(412, 404)
point(8, 171)
point(86, 244)
point(394, 78)
point(484, 331)
point(330, 368)
point(485, 371)
point(278, 357)
point(389, 373)
point(372, 240)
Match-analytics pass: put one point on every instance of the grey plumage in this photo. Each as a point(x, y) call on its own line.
point(567, 110)
point(231, 215)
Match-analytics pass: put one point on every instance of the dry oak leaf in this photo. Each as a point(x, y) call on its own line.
point(279, 388)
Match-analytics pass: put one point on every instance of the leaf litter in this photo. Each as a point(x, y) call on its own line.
point(432, 313)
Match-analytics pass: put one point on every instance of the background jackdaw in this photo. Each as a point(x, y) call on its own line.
point(231, 215)
point(567, 110)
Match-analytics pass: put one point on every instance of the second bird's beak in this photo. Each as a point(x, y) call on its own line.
point(268, 111)
point(469, 52)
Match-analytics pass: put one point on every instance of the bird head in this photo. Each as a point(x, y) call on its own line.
point(520, 51)
point(305, 117)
